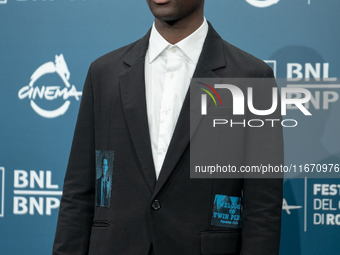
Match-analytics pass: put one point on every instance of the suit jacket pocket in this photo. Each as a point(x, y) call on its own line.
point(100, 238)
point(220, 242)
point(100, 223)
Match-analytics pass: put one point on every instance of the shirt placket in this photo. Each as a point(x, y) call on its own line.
point(166, 121)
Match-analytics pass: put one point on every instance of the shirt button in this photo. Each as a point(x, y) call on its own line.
point(173, 50)
point(172, 75)
point(166, 112)
point(156, 205)
point(164, 149)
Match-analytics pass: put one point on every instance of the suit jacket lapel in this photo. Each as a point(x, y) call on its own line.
point(132, 88)
point(211, 58)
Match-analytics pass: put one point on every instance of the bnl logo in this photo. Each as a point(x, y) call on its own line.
point(3, 1)
point(2, 190)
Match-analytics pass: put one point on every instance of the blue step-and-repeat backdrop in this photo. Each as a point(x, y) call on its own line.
point(46, 47)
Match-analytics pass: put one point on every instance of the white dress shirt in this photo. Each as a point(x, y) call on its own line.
point(168, 71)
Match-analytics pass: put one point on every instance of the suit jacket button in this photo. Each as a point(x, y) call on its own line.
point(156, 205)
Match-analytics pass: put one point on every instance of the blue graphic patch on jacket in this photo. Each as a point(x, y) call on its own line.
point(104, 171)
point(226, 211)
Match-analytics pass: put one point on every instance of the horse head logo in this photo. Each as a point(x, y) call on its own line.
point(61, 67)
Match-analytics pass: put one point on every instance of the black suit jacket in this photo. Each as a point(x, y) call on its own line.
point(113, 117)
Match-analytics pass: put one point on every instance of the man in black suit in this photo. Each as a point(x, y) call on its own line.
point(103, 187)
point(155, 207)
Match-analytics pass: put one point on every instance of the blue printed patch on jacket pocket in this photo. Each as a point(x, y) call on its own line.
point(226, 211)
point(104, 171)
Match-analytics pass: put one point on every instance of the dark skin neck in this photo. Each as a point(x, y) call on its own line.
point(175, 31)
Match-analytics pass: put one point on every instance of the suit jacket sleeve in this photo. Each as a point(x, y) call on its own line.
point(77, 202)
point(262, 198)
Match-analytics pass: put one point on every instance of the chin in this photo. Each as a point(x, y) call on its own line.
point(167, 16)
point(168, 19)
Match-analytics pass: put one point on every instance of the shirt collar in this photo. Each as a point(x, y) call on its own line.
point(191, 45)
